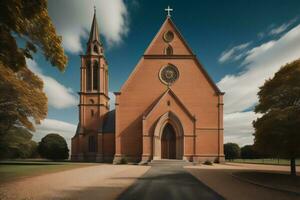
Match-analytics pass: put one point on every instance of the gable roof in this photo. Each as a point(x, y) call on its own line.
point(191, 56)
point(158, 100)
point(170, 22)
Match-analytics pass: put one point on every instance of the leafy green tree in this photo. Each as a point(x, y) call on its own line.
point(22, 95)
point(17, 143)
point(54, 147)
point(231, 151)
point(277, 131)
point(248, 152)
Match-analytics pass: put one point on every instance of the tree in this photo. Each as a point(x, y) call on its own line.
point(248, 152)
point(277, 131)
point(231, 151)
point(22, 96)
point(17, 143)
point(54, 147)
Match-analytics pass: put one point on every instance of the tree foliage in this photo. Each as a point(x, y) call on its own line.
point(277, 131)
point(22, 95)
point(54, 147)
point(231, 151)
point(249, 152)
point(28, 20)
point(17, 143)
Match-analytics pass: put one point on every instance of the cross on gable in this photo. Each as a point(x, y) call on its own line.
point(168, 10)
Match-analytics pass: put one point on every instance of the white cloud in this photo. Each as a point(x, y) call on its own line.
point(238, 127)
point(58, 95)
point(73, 20)
point(235, 53)
point(260, 63)
point(47, 126)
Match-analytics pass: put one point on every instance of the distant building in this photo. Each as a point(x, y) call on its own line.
point(169, 107)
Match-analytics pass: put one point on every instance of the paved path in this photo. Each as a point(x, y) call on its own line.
point(168, 182)
point(102, 181)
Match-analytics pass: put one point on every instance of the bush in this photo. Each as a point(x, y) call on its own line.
point(207, 162)
point(54, 147)
point(231, 151)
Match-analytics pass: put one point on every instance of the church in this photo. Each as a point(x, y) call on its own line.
point(168, 108)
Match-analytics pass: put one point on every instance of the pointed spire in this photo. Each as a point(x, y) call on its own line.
point(94, 33)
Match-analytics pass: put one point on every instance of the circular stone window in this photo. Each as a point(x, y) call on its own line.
point(168, 36)
point(168, 74)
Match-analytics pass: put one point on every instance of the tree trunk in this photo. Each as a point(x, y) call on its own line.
point(293, 166)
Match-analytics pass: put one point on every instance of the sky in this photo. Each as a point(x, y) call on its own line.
point(241, 43)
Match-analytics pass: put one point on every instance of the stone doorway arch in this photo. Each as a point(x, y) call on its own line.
point(168, 119)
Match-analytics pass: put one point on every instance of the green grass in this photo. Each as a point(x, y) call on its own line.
point(13, 170)
point(267, 161)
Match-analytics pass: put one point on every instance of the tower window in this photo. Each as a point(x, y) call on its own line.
point(96, 49)
point(169, 50)
point(95, 76)
point(92, 113)
point(88, 76)
point(92, 143)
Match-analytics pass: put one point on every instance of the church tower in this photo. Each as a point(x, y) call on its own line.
point(94, 100)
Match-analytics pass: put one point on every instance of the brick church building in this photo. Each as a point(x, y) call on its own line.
point(168, 108)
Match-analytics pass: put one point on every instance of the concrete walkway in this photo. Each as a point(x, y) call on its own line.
point(102, 181)
point(168, 182)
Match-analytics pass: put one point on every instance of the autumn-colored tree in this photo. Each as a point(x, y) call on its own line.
point(277, 132)
point(22, 97)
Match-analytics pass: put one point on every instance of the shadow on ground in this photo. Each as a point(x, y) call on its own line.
point(168, 183)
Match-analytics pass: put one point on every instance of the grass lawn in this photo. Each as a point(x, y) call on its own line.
point(265, 161)
point(13, 170)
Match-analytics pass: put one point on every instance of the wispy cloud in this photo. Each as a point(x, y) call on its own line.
point(282, 28)
point(58, 95)
point(261, 62)
point(235, 53)
point(73, 21)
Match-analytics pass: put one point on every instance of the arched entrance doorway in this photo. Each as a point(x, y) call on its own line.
point(168, 142)
point(168, 137)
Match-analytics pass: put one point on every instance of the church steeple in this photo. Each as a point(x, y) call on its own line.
point(94, 45)
point(94, 33)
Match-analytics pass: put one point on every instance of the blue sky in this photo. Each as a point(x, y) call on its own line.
point(240, 43)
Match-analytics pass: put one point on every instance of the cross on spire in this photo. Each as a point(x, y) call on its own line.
point(168, 10)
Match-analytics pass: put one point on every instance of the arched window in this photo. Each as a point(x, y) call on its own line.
point(92, 101)
point(92, 143)
point(96, 76)
point(96, 49)
point(88, 76)
point(169, 50)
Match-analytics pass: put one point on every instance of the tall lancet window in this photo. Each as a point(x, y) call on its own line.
point(95, 75)
point(169, 50)
point(88, 76)
point(96, 49)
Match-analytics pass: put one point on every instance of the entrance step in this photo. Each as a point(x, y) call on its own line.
point(166, 162)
